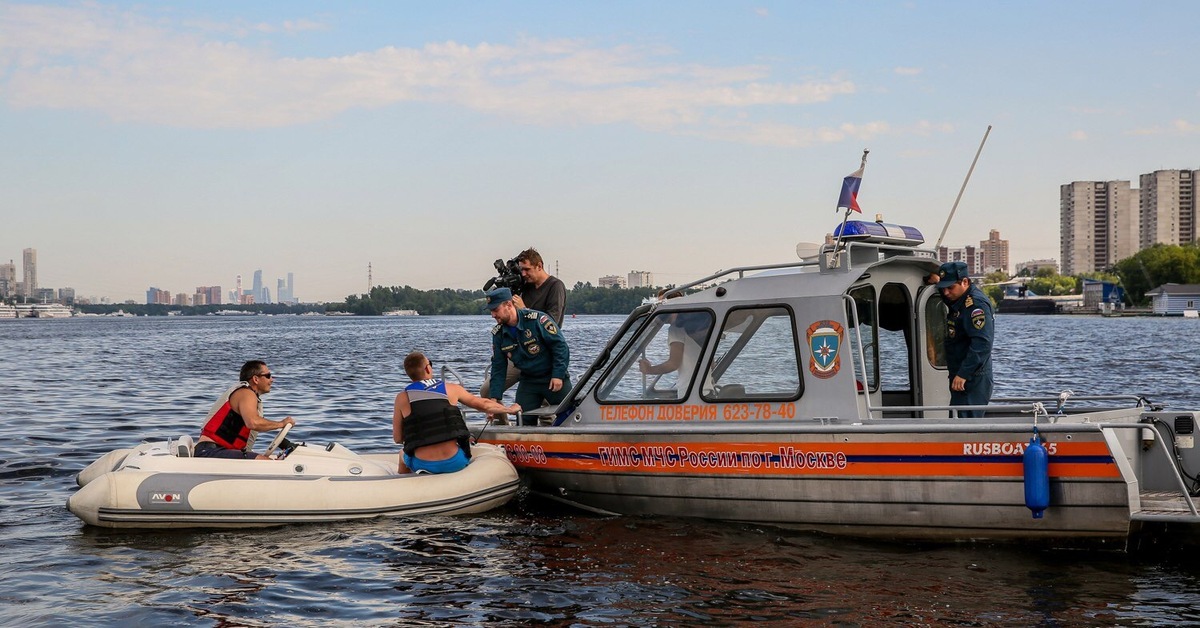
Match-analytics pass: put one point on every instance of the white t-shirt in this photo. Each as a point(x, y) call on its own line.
point(691, 356)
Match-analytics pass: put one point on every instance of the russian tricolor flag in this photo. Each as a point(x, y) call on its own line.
point(849, 197)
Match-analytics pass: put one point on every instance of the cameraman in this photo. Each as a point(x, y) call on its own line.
point(542, 291)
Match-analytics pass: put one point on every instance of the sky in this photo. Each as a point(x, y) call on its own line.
point(180, 144)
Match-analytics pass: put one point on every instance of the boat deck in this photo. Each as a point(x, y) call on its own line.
point(1165, 506)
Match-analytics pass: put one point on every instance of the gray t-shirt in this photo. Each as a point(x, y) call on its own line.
point(550, 297)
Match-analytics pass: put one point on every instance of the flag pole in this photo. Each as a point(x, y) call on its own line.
point(846, 218)
point(960, 190)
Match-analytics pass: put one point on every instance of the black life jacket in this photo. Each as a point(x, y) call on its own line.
point(433, 418)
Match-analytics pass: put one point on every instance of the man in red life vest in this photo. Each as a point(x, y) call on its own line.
point(236, 417)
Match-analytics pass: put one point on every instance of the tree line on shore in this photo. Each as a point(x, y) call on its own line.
point(584, 298)
point(581, 299)
point(1147, 269)
point(1144, 271)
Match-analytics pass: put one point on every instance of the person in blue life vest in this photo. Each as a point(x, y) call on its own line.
point(970, 326)
point(236, 418)
point(426, 419)
point(534, 344)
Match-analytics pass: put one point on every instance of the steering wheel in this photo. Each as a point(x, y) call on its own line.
point(278, 439)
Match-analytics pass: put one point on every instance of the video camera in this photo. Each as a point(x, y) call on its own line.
point(508, 275)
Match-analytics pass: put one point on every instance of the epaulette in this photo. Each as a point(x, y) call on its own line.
point(969, 302)
point(531, 315)
point(496, 329)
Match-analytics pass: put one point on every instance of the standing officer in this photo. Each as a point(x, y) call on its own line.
point(969, 330)
point(534, 344)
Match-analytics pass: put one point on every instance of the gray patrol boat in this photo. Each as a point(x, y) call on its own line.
point(813, 395)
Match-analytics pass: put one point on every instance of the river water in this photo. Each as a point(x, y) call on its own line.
point(73, 389)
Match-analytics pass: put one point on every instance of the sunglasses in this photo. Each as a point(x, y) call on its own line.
point(266, 375)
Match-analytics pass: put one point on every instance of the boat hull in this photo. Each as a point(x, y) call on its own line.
point(133, 498)
point(857, 481)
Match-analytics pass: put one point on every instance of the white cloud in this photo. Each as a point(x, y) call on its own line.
point(1176, 127)
point(151, 71)
point(903, 71)
point(1079, 136)
point(1183, 126)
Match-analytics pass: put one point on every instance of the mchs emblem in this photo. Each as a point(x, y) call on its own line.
point(825, 343)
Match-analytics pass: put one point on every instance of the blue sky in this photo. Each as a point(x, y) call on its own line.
point(181, 144)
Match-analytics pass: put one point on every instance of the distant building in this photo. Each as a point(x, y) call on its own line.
point(1098, 225)
point(1097, 293)
point(1034, 265)
point(207, 295)
point(640, 279)
point(257, 291)
point(66, 295)
point(44, 295)
point(181, 299)
point(1104, 222)
point(154, 296)
point(968, 254)
point(8, 280)
point(29, 267)
point(993, 253)
point(1168, 207)
point(1173, 299)
point(612, 281)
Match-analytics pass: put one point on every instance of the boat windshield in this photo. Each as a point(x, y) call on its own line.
point(756, 357)
point(662, 361)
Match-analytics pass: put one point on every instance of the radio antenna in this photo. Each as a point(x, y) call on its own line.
point(961, 189)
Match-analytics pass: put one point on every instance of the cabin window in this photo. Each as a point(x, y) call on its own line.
point(756, 357)
point(895, 330)
point(935, 332)
point(867, 332)
point(661, 363)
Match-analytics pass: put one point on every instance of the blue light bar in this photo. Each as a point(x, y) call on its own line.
point(882, 232)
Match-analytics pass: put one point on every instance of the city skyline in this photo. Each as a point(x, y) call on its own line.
point(177, 142)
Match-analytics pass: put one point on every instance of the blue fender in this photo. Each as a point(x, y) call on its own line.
point(1037, 476)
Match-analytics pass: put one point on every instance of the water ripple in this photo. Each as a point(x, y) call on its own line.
point(77, 388)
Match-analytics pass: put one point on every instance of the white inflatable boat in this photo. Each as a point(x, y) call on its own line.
point(160, 485)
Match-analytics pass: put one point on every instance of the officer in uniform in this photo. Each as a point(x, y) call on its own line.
point(534, 344)
point(970, 327)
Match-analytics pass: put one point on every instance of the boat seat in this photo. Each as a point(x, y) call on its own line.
point(183, 446)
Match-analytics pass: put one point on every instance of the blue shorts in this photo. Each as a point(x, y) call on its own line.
point(209, 449)
point(457, 462)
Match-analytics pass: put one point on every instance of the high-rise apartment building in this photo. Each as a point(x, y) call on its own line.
point(8, 280)
point(154, 296)
point(1168, 207)
point(993, 253)
point(612, 281)
point(29, 267)
point(968, 254)
point(1104, 222)
point(207, 295)
point(291, 290)
point(1098, 225)
point(640, 279)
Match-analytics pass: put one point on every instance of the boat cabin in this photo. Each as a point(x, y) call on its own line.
point(852, 334)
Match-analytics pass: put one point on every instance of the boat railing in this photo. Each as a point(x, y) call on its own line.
point(448, 371)
point(741, 272)
point(1024, 405)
